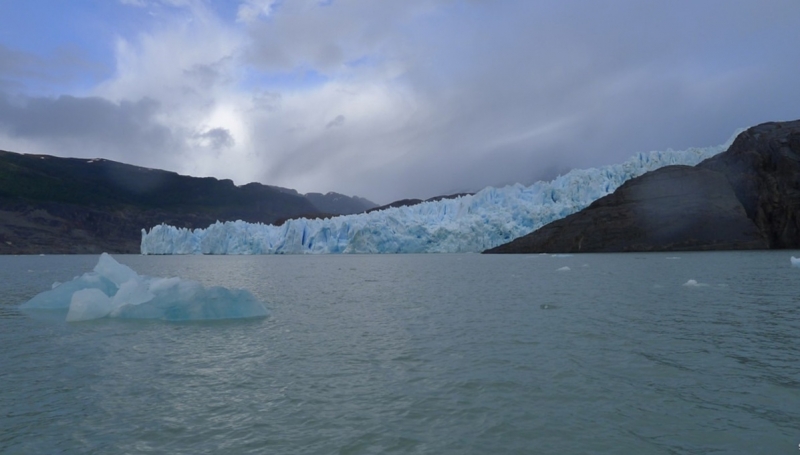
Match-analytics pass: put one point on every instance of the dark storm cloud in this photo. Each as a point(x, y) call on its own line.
point(517, 91)
point(338, 121)
point(429, 96)
point(218, 138)
point(85, 126)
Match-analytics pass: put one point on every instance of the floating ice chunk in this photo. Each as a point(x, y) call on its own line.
point(694, 284)
point(88, 304)
point(190, 301)
point(115, 290)
point(133, 292)
point(113, 271)
point(563, 269)
point(795, 261)
point(60, 296)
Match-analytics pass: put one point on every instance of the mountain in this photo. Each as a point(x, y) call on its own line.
point(339, 204)
point(331, 203)
point(466, 223)
point(412, 202)
point(745, 198)
point(674, 208)
point(67, 205)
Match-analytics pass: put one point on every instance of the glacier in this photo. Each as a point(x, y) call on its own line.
point(115, 290)
point(488, 218)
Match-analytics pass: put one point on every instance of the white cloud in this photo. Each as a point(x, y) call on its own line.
point(251, 10)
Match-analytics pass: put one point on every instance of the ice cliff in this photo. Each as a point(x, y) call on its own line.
point(491, 217)
point(117, 291)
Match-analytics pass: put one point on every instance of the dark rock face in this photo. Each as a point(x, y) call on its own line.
point(65, 205)
point(411, 202)
point(676, 208)
point(339, 204)
point(671, 209)
point(763, 167)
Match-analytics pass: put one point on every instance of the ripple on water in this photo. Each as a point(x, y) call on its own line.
point(419, 354)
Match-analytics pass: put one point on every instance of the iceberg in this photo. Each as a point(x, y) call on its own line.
point(489, 218)
point(795, 261)
point(117, 291)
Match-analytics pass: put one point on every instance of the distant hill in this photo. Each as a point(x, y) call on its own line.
point(412, 202)
point(331, 203)
point(68, 205)
point(339, 204)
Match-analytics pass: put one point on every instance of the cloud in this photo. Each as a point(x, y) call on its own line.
point(251, 10)
point(15, 66)
point(86, 127)
point(338, 121)
point(417, 98)
point(216, 138)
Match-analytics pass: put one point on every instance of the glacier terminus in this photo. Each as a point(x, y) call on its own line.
point(488, 218)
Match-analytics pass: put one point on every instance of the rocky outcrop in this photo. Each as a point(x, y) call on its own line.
point(412, 202)
point(763, 167)
point(671, 209)
point(339, 204)
point(66, 205)
point(745, 198)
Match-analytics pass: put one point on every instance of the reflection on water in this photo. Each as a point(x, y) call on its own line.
point(418, 354)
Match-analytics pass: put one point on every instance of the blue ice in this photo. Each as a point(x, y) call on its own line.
point(489, 218)
point(115, 290)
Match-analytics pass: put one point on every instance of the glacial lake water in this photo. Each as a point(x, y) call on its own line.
point(418, 354)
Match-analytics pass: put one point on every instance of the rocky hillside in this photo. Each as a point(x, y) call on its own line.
point(745, 198)
point(65, 205)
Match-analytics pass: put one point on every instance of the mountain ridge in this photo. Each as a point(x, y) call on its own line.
point(747, 197)
point(56, 205)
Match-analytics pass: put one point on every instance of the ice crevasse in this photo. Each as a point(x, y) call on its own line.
point(488, 218)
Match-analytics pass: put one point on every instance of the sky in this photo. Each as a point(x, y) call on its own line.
point(389, 99)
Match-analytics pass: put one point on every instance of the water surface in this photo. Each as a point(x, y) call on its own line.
point(432, 354)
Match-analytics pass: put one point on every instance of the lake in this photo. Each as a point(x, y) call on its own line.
point(428, 354)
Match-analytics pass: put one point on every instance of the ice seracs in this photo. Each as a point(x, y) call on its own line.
point(117, 291)
point(489, 218)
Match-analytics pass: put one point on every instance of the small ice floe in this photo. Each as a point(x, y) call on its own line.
point(563, 269)
point(795, 261)
point(672, 257)
point(547, 306)
point(694, 284)
point(560, 255)
point(116, 291)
